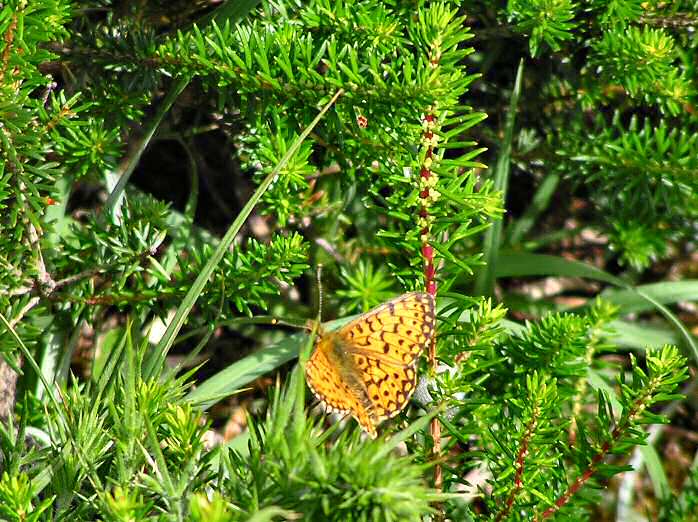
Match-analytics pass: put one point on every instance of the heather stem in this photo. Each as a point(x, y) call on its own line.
point(427, 194)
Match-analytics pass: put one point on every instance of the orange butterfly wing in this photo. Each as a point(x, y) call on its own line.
point(386, 344)
point(395, 332)
point(325, 381)
point(368, 368)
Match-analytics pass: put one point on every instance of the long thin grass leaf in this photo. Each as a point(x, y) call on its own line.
point(484, 283)
point(512, 264)
point(666, 292)
point(197, 287)
point(523, 264)
point(242, 372)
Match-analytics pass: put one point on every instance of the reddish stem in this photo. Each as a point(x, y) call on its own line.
point(520, 463)
point(595, 461)
point(9, 38)
point(430, 285)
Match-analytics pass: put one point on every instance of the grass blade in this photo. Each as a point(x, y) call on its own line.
point(156, 360)
point(666, 292)
point(246, 370)
point(485, 281)
point(522, 264)
point(512, 264)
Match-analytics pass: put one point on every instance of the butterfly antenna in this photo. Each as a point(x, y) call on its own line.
point(319, 291)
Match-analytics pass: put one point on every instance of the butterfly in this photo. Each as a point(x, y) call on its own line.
point(368, 368)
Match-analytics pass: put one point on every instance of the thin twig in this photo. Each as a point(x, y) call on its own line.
point(520, 465)
point(596, 460)
point(25, 309)
point(21, 290)
point(91, 272)
point(85, 274)
point(9, 38)
point(675, 20)
point(427, 180)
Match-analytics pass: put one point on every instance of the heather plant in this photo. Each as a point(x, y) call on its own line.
point(173, 175)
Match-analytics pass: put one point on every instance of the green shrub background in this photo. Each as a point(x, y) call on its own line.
point(173, 173)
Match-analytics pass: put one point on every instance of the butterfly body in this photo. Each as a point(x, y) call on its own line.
point(368, 368)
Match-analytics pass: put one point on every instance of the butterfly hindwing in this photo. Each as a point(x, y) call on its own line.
point(325, 381)
point(388, 387)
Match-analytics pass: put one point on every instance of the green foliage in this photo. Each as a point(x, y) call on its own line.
point(18, 501)
point(620, 12)
point(98, 102)
point(682, 507)
point(148, 441)
point(639, 175)
point(292, 466)
point(264, 147)
point(366, 287)
point(547, 21)
point(642, 60)
point(541, 448)
point(375, 161)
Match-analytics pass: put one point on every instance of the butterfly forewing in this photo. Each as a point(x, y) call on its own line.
point(395, 332)
point(324, 381)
